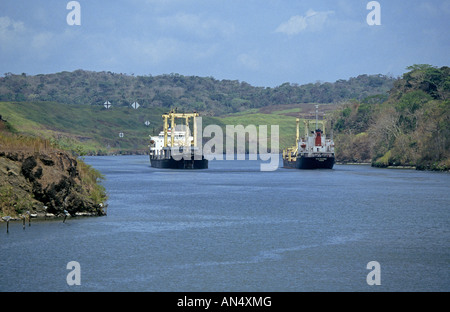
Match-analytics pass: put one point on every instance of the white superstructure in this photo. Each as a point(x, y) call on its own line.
point(180, 139)
point(314, 144)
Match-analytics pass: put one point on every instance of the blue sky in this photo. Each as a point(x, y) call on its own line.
point(261, 42)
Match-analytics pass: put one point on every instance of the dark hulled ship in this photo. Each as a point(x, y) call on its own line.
point(313, 151)
point(175, 148)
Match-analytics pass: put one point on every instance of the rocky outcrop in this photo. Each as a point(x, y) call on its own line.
point(47, 184)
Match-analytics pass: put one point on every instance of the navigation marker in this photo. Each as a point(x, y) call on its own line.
point(7, 218)
point(147, 123)
point(121, 135)
point(66, 214)
point(107, 104)
point(135, 105)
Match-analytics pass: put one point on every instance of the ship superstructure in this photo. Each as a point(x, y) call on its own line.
point(175, 147)
point(312, 151)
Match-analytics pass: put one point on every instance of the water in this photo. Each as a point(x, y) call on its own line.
point(235, 228)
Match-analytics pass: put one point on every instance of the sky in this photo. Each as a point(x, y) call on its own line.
point(262, 42)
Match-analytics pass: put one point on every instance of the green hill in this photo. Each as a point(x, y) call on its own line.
point(84, 128)
point(88, 129)
point(208, 96)
point(410, 127)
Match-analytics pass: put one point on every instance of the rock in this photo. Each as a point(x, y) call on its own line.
point(38, 173)
point(12, 156)
point(50, 180)
point(12, 173)
point(28, 166)
point(46, 160)
point(84, 214)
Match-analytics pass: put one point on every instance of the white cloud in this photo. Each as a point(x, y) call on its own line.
point(434, 9)
point(20, 40)
point(248, 61)
point(41, 40)
point(196, 25)
point(10, 29)
point(9, 25)
point(158, 51)
point(164, 51)
point(12, 35)
point(312, 21)
point(294, 25)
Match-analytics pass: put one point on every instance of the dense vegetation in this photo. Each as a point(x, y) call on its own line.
point(409, 127)
point(204, 94)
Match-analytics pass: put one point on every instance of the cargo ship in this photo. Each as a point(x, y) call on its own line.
point(313, 151)
point(174, 147)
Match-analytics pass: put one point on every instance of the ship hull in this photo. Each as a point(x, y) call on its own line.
point(170, 163)
point(310, 163)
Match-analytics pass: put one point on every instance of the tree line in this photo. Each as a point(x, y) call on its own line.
point(207, 95)
point(410, 126)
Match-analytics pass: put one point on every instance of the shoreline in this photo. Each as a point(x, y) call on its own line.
point(39, 217)
point(48, 183)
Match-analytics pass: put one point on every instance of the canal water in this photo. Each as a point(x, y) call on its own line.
point(235, 228)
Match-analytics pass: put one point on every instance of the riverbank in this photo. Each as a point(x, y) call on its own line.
point(47, 185)
point(45, 181)
point(442, 168)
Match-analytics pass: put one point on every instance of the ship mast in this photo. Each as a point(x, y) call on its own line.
point(317, 116)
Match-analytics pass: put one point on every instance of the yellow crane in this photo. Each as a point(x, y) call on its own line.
point(173, 116)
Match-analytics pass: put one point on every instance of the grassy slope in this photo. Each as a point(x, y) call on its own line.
point(282, 115)
point(93, 129)
point(286, 124)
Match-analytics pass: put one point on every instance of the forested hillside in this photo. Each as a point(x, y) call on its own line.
point(410, 127)
point(206, 95)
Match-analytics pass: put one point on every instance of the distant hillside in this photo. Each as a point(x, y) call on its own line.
point(206, 95)
point(410, 127)
point(88, 129)
point(85, 129)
